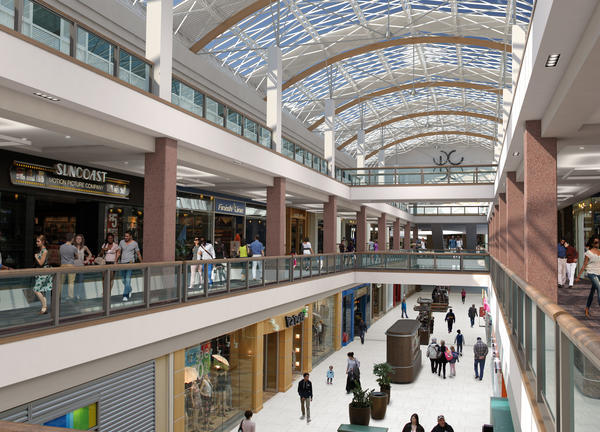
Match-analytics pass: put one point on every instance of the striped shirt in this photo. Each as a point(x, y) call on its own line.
point(480, 349)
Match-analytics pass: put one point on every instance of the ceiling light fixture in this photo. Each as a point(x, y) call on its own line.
point(516, 154)
point(68, 136)
point(552, 60)
point(47, 96)
point(581, 148)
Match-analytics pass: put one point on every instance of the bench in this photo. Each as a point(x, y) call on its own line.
point(359, 428)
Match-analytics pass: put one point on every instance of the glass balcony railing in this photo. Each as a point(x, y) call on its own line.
point(449, 210)
point(93, 292)
point(433, 175)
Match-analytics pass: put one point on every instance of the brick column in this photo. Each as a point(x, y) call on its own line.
point(514, 224)
point(415, 234)
point(396, 245)
point(539, 195)
point(502, 228)
point(407, 235)
point(276, 218)
point(361, 229)
point(496, 232)
point(330, 225)
point(381, 232)
point(160, 201)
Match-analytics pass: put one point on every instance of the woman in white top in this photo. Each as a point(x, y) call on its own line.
point(591, 263)
point(83, 254)
point(306, 250)
point(247, 425)
point(109, 249)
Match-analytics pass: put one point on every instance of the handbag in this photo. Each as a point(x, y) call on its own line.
point(240, 428)
point(100, 261)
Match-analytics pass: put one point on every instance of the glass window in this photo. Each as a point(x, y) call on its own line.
point(288, 148)
point(7, 13)
point(265, 137)
point(46, 26)
point(95, 51)
point(586, 403)
point(316, 163)
point(308, 159)
point(187, 97)
point(215, 111)
point(250, 129)
point(549, 387)
point(234, 121)
point(299, 154)
point(134, 70)
point(324, 169)
point(533, 349)
point(190, 223)
point(323, 326)
point(80, 419)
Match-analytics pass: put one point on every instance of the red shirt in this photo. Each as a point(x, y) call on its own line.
point(572, 254)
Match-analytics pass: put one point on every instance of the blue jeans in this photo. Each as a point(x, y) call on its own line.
point(595, 279)
point(404, 314)
point(126, 276)
point(481, 364)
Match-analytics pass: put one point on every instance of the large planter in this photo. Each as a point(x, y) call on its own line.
point(359, 416)
point(387, 389)
point(379, 401)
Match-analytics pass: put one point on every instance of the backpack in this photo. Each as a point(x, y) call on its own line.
point(448, 355)
point(432, 352)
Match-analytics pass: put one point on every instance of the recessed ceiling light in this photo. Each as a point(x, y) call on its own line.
point(126, 162)
point(581, 148)
point(552, 60)
point(24, 139)
point(47, 96)
point(68, 136)
point(516, 154)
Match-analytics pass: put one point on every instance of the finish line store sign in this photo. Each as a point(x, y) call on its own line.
point(68, 178)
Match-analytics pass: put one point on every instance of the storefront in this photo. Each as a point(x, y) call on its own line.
point(56, 198)
point(323, 322)
point(585, 223)
point(296, 229)
point(356, 304)
point(218, 383)
point(378, 300)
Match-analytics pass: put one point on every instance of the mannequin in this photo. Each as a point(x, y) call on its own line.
point(220, 391)
point(206, 397)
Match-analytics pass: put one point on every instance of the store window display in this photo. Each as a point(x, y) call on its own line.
point(322, 329)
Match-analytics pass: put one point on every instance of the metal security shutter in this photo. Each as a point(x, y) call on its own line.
point(125, 402)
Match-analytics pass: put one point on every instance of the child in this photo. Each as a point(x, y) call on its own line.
point(459, 340)
point(330, 375)
point(453, 361)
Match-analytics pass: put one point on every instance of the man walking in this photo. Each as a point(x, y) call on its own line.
point(362, 328)
point(450, 318)
point(463, 295)
point(472, 314)
point(257, 249)
point(404, 314)
point(480, 351)
point(306, 396)
point(442, 426)
point(572, 256)
point(127, 253)
point(562, 263)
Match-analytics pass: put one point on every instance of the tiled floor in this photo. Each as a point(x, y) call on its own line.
point(463, 400)
point(573, 301)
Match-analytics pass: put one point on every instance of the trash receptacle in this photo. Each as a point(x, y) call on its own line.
point(404, 350)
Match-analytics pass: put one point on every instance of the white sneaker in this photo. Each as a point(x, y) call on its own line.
point(125, 298)
point(308, 420)
point(302, 417)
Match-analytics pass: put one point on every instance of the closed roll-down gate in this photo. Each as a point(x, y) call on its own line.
point(125, 402)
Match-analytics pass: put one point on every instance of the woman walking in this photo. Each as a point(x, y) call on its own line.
point(413, 425)
point(195, 269)
point(43, 283)
point(442, 359)
point(591, 263)
point(353, 372)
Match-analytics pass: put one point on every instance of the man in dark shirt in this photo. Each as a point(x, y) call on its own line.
point(472, 314)
point(306, 395)
point(562, 263)
point(450, 318)
point(442, 426)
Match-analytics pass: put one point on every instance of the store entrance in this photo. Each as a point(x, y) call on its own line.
point(297, 235)
point(227, 227)
point(270, 365)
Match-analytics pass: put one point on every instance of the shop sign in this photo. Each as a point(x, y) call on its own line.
point(68, 178)
point(291, 321)
point(230, 207)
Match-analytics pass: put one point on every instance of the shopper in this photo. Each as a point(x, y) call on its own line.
point(459, 340)
point(442, 426)
point(432, 354)
point(307, 250)
point(330, 375)
point(404, 314)
point(83, 255)
point(450, 318)
point(353, 372)
point(342, 246)
point(221, 253)
point(306, 396)
point(109, 248)
point(453, 362)
point(463, 295)
point(195, 269)
point(472, 314)
point(591, 263)
point(572, 256)
point(442, 358)
point(43, 283)
point(128, 252)
point(362, 328)
point(257, 249)
point(459, 244)
point(562, 263)
point(68, 255)
point(480, 351)
point(413, 425)
point(207, 252)
point(247, 425)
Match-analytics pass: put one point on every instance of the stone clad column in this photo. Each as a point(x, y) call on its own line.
point(274, 80)
point(415, 234)
point(382, 232)
point(160, 201)
point(396, 245)
point(514, 224)
point(502, 243)
point(330, 225)
point(276, 218)
point(159, 45)
point(361, 229)
point(437, 235)
point(407, 235)
point(471, 235)
point(539, 195)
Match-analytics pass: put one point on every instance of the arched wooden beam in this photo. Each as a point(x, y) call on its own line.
point(426, 134)
point(394, 89)
point(229, 22)
point(421, 114)
point(455, 40)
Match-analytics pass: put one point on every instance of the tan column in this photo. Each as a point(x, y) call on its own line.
point(502, 237)
point(396, 245)
point(307, 342)
point(337, 322)
point(160, 201)
point(162, 399)
point(539, 195)
point(285, 359)
point(179, 391)
point(329, 225)
point(381, 232)
point(361, 229)
point(407, 235)
point(276, 218)
point(251, 344)
point(514, 224)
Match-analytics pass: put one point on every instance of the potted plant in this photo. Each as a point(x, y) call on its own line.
point(383, 372)
point(360, 407)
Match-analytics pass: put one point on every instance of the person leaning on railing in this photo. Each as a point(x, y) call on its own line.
point(43, 283)
point(591, 264)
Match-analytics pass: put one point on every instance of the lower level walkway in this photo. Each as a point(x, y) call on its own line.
point(573, 300)
point(464, 401)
